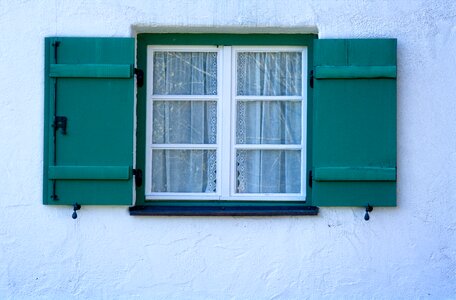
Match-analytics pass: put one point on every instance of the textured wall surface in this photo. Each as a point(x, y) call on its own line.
point(406, 252)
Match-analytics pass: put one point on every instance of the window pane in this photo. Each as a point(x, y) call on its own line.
point(184, 122)
point(268, 122)
point(184, 171)
point(269, 74)
point(185, 73)
point(268, 171)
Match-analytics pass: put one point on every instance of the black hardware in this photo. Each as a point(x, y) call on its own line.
point(310, 178)
point(368, 210)
point(54, 196)
point(138, 177)
point(139, 77)
point(311, 79)
point(76, 207)
point(55, 44)
point(60, 122)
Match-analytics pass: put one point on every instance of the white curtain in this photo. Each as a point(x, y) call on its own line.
point(258, 122)
point(184, 122)
point(268, 122)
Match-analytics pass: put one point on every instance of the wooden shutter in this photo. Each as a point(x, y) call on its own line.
point(354, 129)
point(89, 85)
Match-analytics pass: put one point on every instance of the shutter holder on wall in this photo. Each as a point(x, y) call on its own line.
point(368, 210)
point(76, 207)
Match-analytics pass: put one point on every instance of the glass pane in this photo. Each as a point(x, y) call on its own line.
point(184, 122)
point(268, 122)
point(185, 73)
point(184, 171)
point(269, 73)
point(268, 171)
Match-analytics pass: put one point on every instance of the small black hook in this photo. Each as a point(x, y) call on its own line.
point(76, 207)
point(368, 210)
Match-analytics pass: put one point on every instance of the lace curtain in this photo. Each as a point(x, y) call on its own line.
point(259, 122)
point(184, 122)
point(268, 122)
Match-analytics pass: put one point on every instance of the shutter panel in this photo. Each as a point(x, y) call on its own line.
point(354, 129)
point(90, 82)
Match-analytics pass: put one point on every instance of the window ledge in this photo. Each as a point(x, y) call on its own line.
point(220, 210)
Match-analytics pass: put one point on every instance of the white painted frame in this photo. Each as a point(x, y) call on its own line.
point(150, 146)
point(226, 119)
point(302, 147)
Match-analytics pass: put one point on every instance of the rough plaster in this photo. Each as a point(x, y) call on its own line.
point(406, 252)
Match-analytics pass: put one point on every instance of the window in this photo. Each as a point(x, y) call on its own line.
point(223, 124)
point(226, 114)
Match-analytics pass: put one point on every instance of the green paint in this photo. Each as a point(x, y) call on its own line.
point(354, 126)
point(100, 127)
point(91, 70)
point(91, 172)
point(355, 174)
point(347, 72)
point(144, 40)
point(226, 39)
point(351, 123)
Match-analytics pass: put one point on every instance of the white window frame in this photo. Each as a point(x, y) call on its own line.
point(226, 119)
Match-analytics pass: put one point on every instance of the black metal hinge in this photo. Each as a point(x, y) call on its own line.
point(60, 122)
point(311, 80)
point(138, 177)
point(310, 178)
point(139, 77)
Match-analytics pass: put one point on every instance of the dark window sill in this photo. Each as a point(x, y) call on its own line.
point(221, 210)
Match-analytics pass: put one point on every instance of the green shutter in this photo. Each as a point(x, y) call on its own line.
point(354, 123)
point(90, 81)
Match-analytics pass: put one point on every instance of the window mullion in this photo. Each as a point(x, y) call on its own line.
point(224, 182)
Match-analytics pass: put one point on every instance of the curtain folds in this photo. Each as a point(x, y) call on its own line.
point(258, 122)
point(184, 122)
point(268, 122)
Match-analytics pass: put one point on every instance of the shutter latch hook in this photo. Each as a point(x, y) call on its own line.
point(368, 210)
point(76, 207)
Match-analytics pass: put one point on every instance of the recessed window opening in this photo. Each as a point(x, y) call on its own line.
point(226, 123)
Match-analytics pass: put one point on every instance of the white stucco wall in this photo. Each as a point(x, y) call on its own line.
point(406, 252)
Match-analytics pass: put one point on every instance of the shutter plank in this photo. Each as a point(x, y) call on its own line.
point(355, 174)
point(354, 130)
point(91, 84)
point(89, 172)
point(91, 70)
point(346, 72)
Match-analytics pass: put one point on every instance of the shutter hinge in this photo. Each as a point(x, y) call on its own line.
point(139, 77)
point(311, 80)
point(310, 178)
point(138, 177)
point(60, 122)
